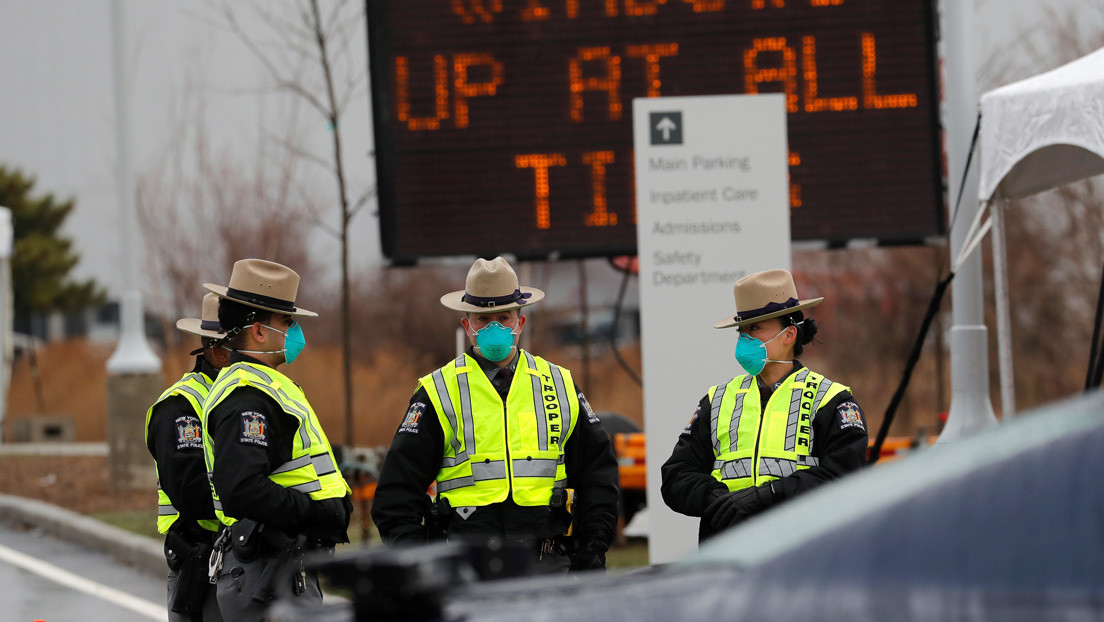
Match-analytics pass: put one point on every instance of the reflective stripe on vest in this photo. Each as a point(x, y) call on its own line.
point(495, 450)
point(193, 387)
point(783, 430)
point(312, 469)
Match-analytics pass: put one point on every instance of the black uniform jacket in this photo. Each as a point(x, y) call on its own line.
point(688, 485)
point(415, 458)
point(180, 467)
point(244, 460)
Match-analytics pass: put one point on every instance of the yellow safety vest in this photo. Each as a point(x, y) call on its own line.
point(753, 445)
point(493, 450)
point(193, 386)
point(312, 469)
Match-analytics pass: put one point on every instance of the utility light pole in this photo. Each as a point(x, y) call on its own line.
point(971, 409)
point(134, 372)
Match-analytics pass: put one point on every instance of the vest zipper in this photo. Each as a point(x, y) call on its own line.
point(759, 432)
point(506, 444)
point(758, 435)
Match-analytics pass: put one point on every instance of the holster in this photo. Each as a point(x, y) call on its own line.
point(176, 549)
point(189, 560)
point(275, 560)
point(563, 506)
point(245, 539)
point(437, 519)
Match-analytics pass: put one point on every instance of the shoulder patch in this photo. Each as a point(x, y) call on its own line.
point(693, 418)
point(189, 433)
point(254, 429)
point(412, 423)
point(850, 416)
point(591, 417)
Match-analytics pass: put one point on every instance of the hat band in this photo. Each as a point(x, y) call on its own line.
point(494, 301)
point(770, 308)
point(259, 300)
point(210, 325)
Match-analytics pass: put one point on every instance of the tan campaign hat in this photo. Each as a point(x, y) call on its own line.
point(491, 286)
point(264, 285)
point(763, 295)
point(207, 325)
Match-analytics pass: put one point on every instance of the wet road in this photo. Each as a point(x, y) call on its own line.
point(46, 579)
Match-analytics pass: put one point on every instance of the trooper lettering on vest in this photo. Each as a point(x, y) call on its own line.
point(781, 435)
point(501, 436)
point(486, 461)
point(771, 433)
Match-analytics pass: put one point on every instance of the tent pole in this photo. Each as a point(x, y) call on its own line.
point(1004, 324)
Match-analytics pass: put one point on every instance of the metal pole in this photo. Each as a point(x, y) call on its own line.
point(584, 311)
point(132, 354)
point(971, 409)
point(1004, 323)
point(6, 312)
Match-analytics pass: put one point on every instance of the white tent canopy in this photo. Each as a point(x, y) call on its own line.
point(1044, 131)
point(1036, 134)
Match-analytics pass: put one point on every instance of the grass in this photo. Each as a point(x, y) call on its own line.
point(141, 522)
point(633, 554)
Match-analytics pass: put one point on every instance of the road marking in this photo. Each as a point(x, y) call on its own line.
point(151, 610)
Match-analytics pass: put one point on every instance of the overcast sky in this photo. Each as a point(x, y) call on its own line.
point(56, 104)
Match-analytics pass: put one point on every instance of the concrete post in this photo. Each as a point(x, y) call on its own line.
point(128, 397)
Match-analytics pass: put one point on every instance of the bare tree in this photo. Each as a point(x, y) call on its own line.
point(310, 55)
point(200, 209)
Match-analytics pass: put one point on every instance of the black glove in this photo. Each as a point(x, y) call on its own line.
point(329, 518)
point(591, 555)
point(735, 507)
point(407, 535)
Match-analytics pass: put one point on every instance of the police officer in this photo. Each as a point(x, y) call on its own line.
point(274, 480)
point(504, 433)
point(775, 432)
point(184, 510)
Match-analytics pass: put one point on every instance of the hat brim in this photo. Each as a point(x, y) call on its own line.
point(732, 322)
point(454, 300)
point(220, 291)
point(193, 325)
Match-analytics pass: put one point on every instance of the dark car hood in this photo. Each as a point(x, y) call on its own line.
point(1006, 525)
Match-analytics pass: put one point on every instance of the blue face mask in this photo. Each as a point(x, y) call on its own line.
point(294, 341)
point(751, 353)
point(494, 342)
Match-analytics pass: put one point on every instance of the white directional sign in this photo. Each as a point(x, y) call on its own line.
point(712, 201)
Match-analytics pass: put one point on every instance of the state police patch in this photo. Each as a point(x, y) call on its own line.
point(412, 422)
point(850, 416)
point(693, 418)
point(591, 417)
point(253, 429)
point(189, 434)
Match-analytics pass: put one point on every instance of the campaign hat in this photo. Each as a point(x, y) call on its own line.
point(263, 285)
point(765, 295)
point(491, 286)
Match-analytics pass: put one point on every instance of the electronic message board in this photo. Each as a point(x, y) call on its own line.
point(504, 125)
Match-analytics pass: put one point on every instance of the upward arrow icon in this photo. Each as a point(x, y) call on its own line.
point(666, 125)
